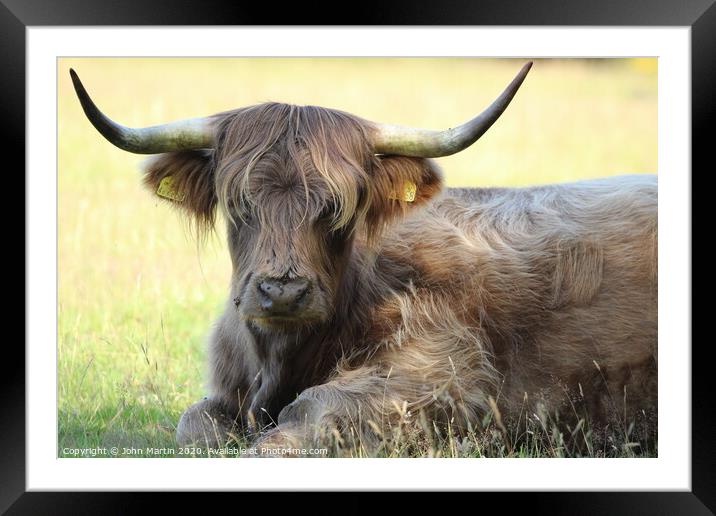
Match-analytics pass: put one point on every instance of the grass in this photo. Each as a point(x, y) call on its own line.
point(540, 435)
point(138, 294)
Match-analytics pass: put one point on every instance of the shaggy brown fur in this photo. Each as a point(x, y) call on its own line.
point(463, 302)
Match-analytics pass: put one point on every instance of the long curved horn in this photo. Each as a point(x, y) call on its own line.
point(194, 133)
point(423, 143)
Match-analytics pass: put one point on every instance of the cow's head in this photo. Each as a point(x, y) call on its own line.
point(297, 185)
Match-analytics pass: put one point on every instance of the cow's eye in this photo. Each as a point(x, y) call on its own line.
point(242, 217)
point(327, 212)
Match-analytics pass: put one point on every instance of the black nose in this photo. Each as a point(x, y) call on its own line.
point(282, 296)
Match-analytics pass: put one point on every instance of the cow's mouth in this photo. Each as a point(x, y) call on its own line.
point(275, 323)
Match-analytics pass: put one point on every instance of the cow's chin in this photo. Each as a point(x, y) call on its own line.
point(284, 324)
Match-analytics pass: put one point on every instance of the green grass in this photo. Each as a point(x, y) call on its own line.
point(138, 294)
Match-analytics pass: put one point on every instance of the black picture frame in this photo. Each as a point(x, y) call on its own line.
point(699, 15)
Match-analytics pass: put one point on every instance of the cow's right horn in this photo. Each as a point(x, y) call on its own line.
point(194, 133)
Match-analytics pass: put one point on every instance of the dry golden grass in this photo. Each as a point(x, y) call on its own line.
point(137, 294)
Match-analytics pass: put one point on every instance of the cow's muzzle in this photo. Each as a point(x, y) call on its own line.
point(283, 297)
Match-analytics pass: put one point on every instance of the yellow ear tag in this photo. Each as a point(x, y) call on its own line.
point(409, 191)
point(168, 190)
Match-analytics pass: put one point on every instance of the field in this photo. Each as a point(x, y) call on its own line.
point(138, 293)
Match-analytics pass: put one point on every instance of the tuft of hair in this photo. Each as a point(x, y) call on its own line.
point(308, 139)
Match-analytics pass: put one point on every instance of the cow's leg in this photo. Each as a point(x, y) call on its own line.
point(214, 420)
point(206, 423)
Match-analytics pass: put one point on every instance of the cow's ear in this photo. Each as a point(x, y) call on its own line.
point(186, 179)
point(398, 185)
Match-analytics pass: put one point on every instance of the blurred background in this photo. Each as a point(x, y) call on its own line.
point(138, 293)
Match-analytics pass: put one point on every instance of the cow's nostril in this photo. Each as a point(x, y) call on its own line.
point(301, 293)
point(266, 288)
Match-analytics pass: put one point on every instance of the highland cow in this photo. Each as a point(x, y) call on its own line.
point(365, 293)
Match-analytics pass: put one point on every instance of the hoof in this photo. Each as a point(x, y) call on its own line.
point(205, 424)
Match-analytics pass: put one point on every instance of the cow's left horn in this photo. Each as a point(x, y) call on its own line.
point(423, 143)
point(194, 133)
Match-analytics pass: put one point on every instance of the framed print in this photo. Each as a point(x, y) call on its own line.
point(404, 376)
point(152, 333)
